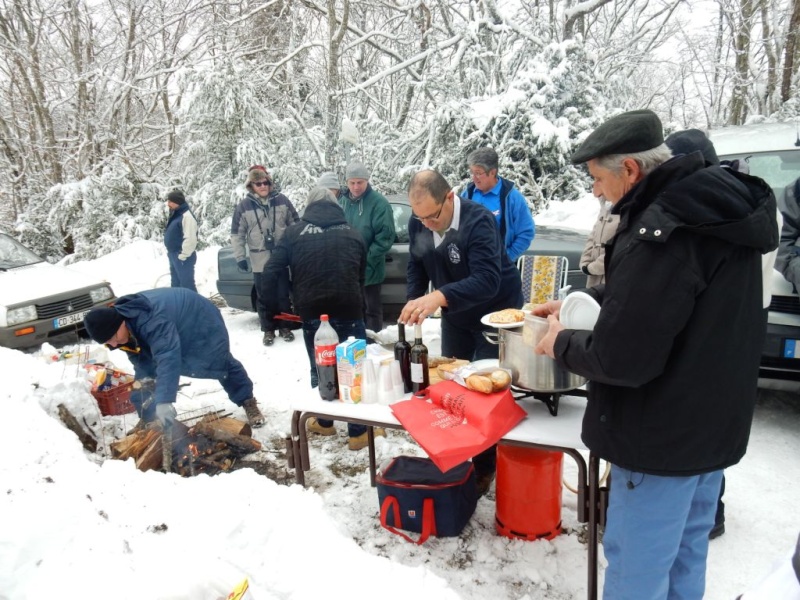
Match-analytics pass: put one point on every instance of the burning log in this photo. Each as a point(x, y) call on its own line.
point(220, 434)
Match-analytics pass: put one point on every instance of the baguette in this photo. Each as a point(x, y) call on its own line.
point(500, 380)
point(479, 383)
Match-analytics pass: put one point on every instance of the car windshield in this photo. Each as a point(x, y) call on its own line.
point(778, 168)
point(14, 255)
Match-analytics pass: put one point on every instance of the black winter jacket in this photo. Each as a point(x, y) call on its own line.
point(327, 258)
point(673, 359)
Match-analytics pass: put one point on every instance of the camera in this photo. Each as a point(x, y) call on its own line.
point(269, 240)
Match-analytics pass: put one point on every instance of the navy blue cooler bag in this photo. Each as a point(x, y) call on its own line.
point(416, 496)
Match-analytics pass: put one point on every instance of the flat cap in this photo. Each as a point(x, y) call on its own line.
point(628, 133)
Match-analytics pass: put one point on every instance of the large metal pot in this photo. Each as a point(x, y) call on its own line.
point(531, 371)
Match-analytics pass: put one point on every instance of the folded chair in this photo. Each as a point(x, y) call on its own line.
point(542, 277)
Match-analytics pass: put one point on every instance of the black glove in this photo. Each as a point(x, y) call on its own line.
point(242, 264)
point(585, 269)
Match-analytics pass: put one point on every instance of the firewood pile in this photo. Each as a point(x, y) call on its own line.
point(211, 445)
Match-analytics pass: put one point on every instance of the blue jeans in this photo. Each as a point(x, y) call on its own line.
point(656, 537)
point(344, 328)
point(181, 272)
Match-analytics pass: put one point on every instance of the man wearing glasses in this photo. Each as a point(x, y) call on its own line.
point(258, 224)
point(503, 200)
point(454, 244)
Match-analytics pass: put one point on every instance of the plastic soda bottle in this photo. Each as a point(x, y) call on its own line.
point(325, 342)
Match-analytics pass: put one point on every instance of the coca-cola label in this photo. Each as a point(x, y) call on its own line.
point(325, 356)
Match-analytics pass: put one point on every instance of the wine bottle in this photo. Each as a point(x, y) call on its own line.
point(419, 362)
point(402, 353)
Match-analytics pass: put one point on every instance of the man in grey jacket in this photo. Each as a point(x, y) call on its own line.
point(258, 224)
point(788, 261)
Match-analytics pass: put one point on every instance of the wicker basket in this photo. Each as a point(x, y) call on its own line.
point(115, 400)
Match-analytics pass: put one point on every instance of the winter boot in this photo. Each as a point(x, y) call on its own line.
point(287, 335)
point(362, 441)
point(269, 338)
point(313, 426)
point(254, 416)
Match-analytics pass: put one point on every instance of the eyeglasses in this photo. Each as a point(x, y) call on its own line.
point(262, 183)
point(478, 173)
point(431, 217)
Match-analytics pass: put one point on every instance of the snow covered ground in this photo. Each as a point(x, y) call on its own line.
point(74, 524)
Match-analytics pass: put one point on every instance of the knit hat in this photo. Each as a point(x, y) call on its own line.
point(256, 174)
point(692, 140)
point(356, 170)
point(328, 180)
point(102, 323)
point(628, 133)
point(177, 197)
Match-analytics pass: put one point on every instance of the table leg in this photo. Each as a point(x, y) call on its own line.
point(594, 511)
point(297, 450)
point(372, 465)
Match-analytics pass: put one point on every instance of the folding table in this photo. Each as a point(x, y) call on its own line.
point(538, 430)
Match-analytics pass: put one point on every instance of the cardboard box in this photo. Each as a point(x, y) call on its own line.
point(350, 357)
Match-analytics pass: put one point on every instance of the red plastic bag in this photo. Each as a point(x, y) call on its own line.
point(453, 424)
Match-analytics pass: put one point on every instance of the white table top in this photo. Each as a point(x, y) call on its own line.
point(539, 427)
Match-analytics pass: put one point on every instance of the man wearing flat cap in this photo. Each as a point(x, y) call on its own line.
point(169, 332)
point(369, 213)
point(180, 238)
point(673, 358)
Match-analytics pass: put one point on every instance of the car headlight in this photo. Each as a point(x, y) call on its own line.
point(100, 294)
point(20, 314)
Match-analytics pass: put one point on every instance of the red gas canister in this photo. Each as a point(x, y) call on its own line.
point(528, 492)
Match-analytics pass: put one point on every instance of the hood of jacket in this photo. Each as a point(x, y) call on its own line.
point(324, 213)
point(711, 201)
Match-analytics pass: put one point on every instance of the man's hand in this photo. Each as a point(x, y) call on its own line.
point(552, 307)
point(547, 344)
point(165, 414)
point(242, 264)
point(416, 310)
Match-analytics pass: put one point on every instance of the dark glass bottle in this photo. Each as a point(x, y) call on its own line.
point(419, 362)
point(402, 353)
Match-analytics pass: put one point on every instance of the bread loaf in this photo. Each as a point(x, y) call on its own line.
point(479, 383)
point(500, 380)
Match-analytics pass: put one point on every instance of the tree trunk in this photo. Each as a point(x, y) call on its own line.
point(791, 52)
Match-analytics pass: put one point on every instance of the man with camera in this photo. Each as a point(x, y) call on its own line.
point(258, 224)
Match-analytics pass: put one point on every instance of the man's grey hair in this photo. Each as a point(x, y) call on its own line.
point(317, 194)
point(647, 160)
point(485, 158)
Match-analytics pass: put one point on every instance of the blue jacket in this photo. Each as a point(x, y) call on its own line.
point(177, 332)
point(469, 267)
point(175, 235)
point(504, 200)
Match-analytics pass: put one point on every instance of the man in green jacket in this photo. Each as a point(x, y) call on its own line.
point(369, 212)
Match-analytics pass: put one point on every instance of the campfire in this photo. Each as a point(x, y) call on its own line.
point(209, 443)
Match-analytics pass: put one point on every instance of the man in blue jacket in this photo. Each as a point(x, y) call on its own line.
point(180, 238)
point(169, 332)
point(503, 200)
point(455, 245)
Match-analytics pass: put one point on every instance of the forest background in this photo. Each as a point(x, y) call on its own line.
point(107, 104)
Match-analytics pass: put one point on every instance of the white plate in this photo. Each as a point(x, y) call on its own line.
point(485, 320)
point(579, 311)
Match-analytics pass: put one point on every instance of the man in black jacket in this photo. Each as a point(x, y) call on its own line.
point(673, 359)
point(788, 261)
point(328, 260)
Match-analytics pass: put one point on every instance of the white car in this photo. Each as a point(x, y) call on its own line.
point(38, 300)
point(772, 152)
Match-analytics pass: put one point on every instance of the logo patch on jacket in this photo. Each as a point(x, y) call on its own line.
point(454, 254)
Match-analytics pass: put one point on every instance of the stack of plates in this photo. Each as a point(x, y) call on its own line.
point(579, 311)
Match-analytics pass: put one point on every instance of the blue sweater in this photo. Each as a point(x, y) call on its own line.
point(469, 267)
point(517, 222)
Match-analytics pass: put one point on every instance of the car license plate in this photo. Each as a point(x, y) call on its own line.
point(69, 320)
point(791, 348)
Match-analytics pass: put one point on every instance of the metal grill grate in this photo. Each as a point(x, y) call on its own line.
point(785, 304)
